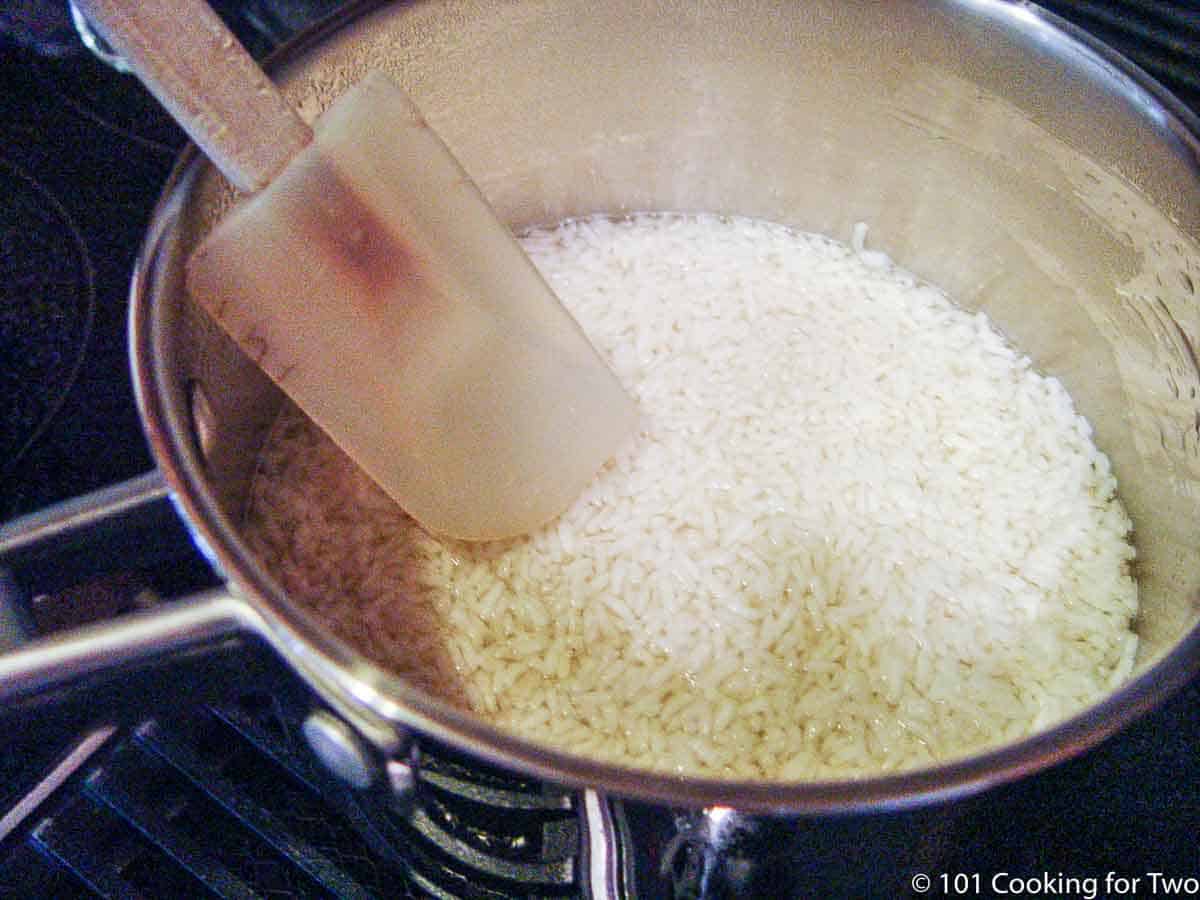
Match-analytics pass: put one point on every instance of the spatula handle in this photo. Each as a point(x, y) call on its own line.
point(202, 75)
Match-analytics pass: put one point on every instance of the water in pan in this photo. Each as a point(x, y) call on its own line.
point(857, 531)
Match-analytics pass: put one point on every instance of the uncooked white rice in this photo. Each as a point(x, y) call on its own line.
point(856, 533)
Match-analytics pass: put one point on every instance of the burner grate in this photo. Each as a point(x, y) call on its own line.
point(1160, 36)
point(112, 861)
point(226, 801)
point(261, 807)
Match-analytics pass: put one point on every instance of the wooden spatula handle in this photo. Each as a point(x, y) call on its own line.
point(193, 64)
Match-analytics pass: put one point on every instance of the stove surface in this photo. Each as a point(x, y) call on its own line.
point(186, 803)
point(83, 154)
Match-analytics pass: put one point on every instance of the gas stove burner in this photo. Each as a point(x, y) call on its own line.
point(115, 102)
point(47, 303)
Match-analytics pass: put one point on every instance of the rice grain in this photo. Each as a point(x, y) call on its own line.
point(856, 533)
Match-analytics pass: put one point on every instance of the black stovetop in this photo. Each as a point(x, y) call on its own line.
point(83, 154)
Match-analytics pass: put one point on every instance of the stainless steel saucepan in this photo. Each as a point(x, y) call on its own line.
point(993, 150)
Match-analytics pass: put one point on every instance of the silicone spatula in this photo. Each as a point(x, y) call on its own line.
point(367, 275)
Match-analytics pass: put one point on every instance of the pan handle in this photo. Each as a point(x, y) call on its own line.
point(131, 523)
point(190, 650)
point(204, 648)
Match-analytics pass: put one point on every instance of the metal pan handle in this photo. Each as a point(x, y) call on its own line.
point(204, 648)
point(129, 523)
point(187, 650)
